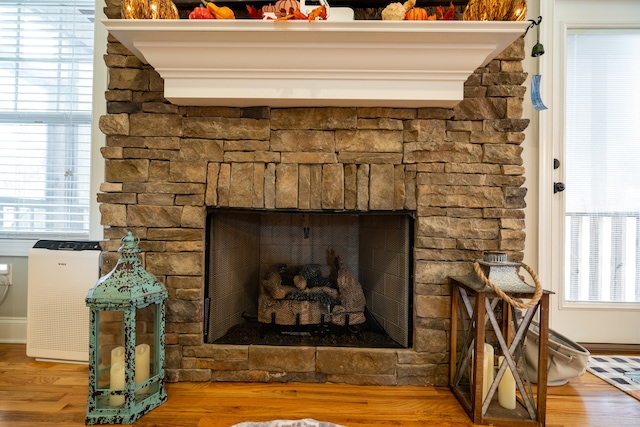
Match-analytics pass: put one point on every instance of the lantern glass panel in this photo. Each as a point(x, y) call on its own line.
point(465, 327)
point(110, 369)
point(146, 351)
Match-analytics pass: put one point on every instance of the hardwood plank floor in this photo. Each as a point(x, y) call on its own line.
point(34, 393)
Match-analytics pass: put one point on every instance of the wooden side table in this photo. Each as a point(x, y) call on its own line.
point(472, 304)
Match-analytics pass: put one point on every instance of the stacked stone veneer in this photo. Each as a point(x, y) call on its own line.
point(459, 169)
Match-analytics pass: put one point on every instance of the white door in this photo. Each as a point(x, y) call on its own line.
point(596, 137)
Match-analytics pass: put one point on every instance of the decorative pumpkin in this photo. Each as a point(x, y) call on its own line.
point(220, 12)
point(417, 14)
point(201, 13)
point(268, 8)
point(285, 7)
point(149, 9)
point(397, 11)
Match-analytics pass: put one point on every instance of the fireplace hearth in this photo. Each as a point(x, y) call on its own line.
point(369, 334)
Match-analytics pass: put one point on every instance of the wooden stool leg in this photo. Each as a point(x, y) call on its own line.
point(478, 359)
point(455, 300)
point(543, 354)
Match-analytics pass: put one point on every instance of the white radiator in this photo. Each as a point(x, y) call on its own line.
point(60, 273)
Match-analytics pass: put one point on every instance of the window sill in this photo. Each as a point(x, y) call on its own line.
point(16, 247)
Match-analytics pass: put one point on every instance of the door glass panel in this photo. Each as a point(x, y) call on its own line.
point(602, 166)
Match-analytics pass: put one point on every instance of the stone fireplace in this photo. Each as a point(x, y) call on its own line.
point(457, 172)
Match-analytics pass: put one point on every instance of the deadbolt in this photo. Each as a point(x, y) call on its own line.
point(558, 187)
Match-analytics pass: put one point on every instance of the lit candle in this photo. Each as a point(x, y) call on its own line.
point(487, 370)
point(117, 355)
point(117, 375)
point(507, 388)
point(117, 382)
point(142, 366)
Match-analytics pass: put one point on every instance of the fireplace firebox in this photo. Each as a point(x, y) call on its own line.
point(300, 278)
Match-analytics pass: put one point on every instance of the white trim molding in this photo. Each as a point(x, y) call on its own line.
point(546, 149)
point(13, 330)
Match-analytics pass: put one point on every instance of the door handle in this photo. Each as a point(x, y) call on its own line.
point(558, 187)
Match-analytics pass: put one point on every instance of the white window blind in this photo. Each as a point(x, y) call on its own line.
point(46, 71)
point(602, 165)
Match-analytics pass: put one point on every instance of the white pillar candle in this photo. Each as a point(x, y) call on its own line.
point(487, 370)
point(507, 388)
point(116, 379)
point(143, 366)
point(117, 355)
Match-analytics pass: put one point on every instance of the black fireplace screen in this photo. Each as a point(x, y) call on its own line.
point(308, 274)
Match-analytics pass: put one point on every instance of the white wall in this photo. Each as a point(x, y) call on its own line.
point(13, 312)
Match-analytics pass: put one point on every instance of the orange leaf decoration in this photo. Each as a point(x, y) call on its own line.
point(448, 16)
point(254, 13)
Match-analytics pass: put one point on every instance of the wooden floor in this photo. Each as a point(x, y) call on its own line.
point(36, 393)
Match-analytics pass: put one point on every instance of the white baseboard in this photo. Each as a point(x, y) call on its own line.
point(13, 330)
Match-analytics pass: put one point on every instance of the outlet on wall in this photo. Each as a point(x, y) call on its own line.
point(5, 274)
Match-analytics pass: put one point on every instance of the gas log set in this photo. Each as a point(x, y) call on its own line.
point(310, 304)
point(312, 295)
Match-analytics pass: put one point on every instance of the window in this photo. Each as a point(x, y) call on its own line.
point(602, 173)
point(46, 73)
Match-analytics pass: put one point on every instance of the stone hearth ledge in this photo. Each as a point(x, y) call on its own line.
point(361, 366)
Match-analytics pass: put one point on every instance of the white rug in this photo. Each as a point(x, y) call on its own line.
point(620, 371)
point(307, 422)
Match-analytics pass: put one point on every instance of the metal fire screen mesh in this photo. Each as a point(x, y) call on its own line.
point(243, 245)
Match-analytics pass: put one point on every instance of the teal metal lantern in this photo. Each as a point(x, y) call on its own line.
point(126, 341)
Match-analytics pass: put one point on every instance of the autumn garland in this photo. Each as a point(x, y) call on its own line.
point(491, 10)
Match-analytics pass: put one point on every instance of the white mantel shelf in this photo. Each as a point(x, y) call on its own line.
point(243, 63)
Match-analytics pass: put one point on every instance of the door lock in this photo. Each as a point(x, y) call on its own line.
point(558, 187)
